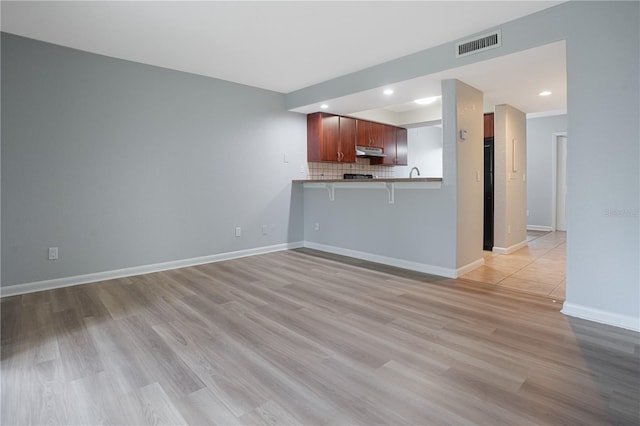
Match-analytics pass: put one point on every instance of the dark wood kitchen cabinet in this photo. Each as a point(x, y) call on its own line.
point(395, 147)
point(401, 147)
point(389, 138)
point(347, 146)
point(488, 125)
point(331, 138)
point(334, 138)
point(370, 134)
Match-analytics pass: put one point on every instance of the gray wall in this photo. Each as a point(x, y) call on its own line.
point(603, 249)
point(416, 228)
point(419, 227)
point(168, 129)
point(121, 164)
point(603, 178)
point(539, 167)
point(439, 228)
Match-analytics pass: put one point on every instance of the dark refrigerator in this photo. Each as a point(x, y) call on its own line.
point(487, 242)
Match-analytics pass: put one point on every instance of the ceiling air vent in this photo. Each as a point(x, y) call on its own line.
point(479, 44)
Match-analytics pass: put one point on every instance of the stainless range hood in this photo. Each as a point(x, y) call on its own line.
point(369, 152)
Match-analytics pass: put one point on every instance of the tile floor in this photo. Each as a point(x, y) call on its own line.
point(538, 269)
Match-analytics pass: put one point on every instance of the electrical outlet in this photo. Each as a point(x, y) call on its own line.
point(285, 158)
point(53, 253)
point(301, 168)
point(238, 231)
point(527, 213)
point(316, 226)
point(477, 175)
point(265, 229)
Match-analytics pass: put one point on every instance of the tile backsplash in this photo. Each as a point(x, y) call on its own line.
point(337, 170)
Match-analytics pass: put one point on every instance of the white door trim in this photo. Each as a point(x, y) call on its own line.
point(554, 175)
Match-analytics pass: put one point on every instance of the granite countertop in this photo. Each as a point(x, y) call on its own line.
point(390, 180)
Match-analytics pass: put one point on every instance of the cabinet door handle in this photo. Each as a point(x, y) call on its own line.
point(338, 155)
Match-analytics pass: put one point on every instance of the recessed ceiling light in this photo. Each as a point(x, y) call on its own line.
point(324, 106)
point(426, 101)
point(388, 92)
point(545, 93)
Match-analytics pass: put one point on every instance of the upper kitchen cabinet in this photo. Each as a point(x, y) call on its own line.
point(370, 134)
point(334, 138)
point(401, 147)
point(347, 146)
point(395, 147)
point(488, 125)
point(331, 138)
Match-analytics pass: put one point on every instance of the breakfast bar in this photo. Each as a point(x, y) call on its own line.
point(388, 184)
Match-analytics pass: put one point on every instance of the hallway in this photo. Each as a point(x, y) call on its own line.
point(538, 269)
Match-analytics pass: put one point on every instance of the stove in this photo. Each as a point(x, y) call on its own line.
point(357, 176)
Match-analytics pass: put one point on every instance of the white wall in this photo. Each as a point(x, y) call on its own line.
point(424, 115)
point(469, 167)
point(122, 165)
point(424, 152)
point(540, 168)
point(510, 189)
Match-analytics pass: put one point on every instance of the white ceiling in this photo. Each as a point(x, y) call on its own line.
point(280, 46)
point(515, 79)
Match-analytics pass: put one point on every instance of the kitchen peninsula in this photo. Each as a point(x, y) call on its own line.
point(390, 184)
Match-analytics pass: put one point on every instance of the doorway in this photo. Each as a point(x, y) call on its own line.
point(559, 182)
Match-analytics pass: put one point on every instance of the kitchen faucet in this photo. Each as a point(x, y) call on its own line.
point(411, 172)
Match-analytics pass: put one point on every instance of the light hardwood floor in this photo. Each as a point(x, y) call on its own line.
point(302, 337)
point(539, 268)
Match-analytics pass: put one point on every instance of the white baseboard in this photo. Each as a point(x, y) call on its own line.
point(510, 249)
point(539, 228)
point(139, 270)
point(391, 261)
point(469, 267)
point(604, 317)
